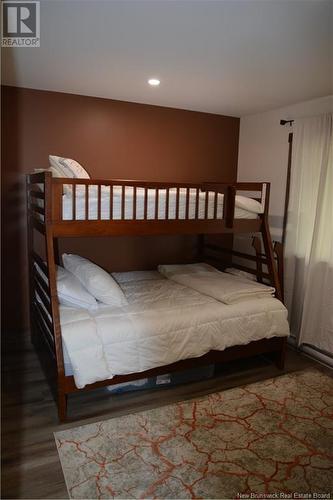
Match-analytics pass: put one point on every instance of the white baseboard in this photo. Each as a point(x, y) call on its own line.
point(317, 355)
point(312, 352)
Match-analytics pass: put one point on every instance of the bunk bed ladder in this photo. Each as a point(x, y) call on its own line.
point(268, 245)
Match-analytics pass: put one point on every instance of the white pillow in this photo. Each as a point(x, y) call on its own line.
point(70, 291)
point(248, 204)
point(97, 281)
point(70, 168)
point(78, 171)
point(63, 170)
point(55, 172)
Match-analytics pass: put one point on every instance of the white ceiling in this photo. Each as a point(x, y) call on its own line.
point(233, 57)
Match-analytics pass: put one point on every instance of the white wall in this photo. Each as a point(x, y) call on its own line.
point(263, 151)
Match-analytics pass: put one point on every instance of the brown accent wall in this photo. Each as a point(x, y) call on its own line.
point(112, 139)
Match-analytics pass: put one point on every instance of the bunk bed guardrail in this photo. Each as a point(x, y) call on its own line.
point(195, 207)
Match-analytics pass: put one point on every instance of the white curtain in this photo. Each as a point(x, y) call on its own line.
point(309, 236)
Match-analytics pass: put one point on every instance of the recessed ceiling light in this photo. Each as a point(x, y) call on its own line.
point(154, 82)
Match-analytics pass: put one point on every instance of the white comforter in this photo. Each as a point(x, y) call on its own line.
point(163, 323)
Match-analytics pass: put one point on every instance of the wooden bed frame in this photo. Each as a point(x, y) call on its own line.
point(44, 211)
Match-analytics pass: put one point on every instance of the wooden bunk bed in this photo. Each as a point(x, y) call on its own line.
point(46, 218)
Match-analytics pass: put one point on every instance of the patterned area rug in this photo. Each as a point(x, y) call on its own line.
point(271, 436)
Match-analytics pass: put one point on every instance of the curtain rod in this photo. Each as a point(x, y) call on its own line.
point(284, 122)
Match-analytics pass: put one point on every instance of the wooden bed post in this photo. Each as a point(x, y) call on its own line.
point(30, 261)
point(51, 246)
point(281, 354)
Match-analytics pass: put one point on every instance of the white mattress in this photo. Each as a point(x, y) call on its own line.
point(245, 208)
point(163, 323)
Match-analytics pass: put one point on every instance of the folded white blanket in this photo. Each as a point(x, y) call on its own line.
point(221, 286)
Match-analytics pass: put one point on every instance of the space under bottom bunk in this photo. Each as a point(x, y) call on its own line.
point(273, 348)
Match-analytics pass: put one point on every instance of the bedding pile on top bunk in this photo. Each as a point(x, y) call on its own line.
point(166, 319)
point(245, 207)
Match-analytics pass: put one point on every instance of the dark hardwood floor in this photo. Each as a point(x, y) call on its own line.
point(30, 464)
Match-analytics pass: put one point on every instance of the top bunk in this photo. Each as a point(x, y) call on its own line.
point(106, 207)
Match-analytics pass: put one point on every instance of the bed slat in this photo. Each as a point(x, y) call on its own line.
point(41, 294)
point(41, 281)
point(40, 263)
point(37, 208)
point(44, 316)
point(37, 194)
point(43, 327)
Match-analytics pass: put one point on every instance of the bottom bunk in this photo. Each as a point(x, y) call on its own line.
point(181, 317)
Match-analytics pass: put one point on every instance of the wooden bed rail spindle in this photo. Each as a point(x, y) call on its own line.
point(265, 193)
point(187, 205)
point(145, 211)
point(74, 202)
point(111, 201)
point(99, 202)
point(122, 215)
point(215, 204)
point(167, 194)
point(86, 202)
point(134, 202)
point(177, 203)
point(229, 206)
point(206, 203)
point(55, 195)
